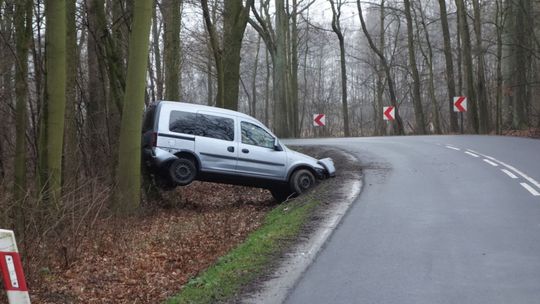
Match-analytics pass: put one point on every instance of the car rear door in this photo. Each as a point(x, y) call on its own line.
point(257, 156)
point(215, 142)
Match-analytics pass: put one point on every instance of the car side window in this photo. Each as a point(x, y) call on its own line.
point(202, 125)
point(184, 122)
point(256, 136)
point(216, 127)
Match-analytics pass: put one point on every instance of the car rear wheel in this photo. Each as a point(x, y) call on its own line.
point(182, 171)
point(302, 181)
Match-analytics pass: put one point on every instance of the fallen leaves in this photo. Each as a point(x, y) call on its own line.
point(147, 259)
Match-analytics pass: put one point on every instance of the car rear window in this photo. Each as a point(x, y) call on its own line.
point(202, 125)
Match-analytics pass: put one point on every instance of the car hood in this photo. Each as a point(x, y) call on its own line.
point(300, 157)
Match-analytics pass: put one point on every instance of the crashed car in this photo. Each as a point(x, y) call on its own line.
point(183, 142)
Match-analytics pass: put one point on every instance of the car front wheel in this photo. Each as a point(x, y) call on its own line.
point(301, 181)
point(182, 171)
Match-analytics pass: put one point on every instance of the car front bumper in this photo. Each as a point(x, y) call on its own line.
point(328, 165)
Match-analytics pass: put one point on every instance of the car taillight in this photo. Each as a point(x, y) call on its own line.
point(154, 139)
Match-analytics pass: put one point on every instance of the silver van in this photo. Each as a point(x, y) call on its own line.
point(183, 142)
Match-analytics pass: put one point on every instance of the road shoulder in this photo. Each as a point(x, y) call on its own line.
point(346, 187)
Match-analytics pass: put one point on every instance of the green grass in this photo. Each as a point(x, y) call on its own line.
point(249, 260)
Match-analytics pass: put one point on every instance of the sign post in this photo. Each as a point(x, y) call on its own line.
point(460, 105)
point(11, 269)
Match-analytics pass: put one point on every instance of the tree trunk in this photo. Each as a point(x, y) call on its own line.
point(336, 27)
point(216, 52)
point(483, 111)
point(71, 142)
point(428, 57)
point(96, 126)
point(380, 126)
point(253, 106)
point(56, 93)
point(281, 101)
point(235, 18)
point(499, 23)
point(171, 49)
point(450, 81)
point(129, 154)
point(472, 112)
point(293, 70)
point(23, 33)
point(417, 97)
point(157, 50)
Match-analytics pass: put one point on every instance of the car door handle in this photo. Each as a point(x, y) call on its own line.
point(245, 151)
point(230, 149)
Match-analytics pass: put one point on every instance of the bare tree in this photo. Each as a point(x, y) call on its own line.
point(417, 97)
point(336, 27)
point(398, 126)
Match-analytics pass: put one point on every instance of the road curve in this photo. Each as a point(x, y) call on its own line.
point(441, 219)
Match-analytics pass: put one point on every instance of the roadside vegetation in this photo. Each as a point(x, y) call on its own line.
point(251, 259)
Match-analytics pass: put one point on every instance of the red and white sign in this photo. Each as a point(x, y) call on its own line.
point(460, 104)
point(319, 120)
point(11, 269)
point(389, 113)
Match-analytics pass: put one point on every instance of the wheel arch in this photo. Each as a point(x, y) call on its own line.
point(299, 167)
point(189, 155)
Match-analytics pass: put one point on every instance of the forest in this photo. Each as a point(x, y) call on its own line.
point(75, 76)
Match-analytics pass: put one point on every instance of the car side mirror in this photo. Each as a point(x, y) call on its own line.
point(277, 146)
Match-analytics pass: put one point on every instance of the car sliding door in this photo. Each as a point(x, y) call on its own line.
point(215, 143)
point(257, 155)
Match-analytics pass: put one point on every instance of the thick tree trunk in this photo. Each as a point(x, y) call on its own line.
point(235, 18)
point(417, 97)
point(171, 49)
point(56, 93)
point(129, 154)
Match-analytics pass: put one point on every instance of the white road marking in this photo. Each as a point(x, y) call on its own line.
point(512, 175)
point(471, 154)
point(453, 148)
point(530, 189)
point(493, 161)
point(490, 162)
point(518, 172)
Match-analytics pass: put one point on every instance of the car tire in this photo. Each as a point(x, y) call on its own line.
point(182, 171)
point(281, 194)
point(302, 181)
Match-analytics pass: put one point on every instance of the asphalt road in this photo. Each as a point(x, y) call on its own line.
point(441, 219)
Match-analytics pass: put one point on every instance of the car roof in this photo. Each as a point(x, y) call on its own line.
point(194, 106)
